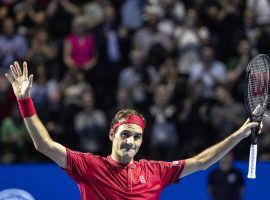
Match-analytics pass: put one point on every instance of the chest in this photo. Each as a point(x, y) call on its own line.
point(127, 180)
point(82, 44)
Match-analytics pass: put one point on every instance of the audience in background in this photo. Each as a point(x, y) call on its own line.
point(181, 63)
point(13, 46)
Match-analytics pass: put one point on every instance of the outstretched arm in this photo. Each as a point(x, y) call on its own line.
point(22, 84)
point(213, 154)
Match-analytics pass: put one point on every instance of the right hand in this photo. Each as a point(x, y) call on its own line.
point(21, 83)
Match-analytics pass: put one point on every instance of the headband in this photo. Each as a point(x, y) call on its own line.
point(131, 119)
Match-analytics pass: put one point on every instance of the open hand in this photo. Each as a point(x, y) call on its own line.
point(20, 81)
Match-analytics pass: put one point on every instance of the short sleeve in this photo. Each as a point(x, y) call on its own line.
point(169, 172)
point(78, 165)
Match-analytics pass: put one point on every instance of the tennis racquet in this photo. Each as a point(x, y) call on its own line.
point(256, 97)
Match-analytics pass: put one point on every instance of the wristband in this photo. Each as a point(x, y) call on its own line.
point(27, 107)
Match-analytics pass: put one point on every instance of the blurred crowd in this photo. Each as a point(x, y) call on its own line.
point(179, 62)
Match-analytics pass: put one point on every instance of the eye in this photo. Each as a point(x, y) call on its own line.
point(137, 136)
point(125, 134)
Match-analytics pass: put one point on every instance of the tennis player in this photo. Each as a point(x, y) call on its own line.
point(117, 176)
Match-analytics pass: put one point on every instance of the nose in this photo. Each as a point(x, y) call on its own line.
point(130, 140)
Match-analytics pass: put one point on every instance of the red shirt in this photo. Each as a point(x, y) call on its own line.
point(82, 50)
point(103, 178)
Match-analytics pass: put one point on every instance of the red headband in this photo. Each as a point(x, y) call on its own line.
point(131, 119)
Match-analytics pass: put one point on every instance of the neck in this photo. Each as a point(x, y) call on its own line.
point(122, 160)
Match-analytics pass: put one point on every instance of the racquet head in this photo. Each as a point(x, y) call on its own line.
point(257, 86)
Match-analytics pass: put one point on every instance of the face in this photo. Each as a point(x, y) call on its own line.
point(136, 57)
point(8, 26)
point(244, 47)
point(207, 54)
point(126, 142)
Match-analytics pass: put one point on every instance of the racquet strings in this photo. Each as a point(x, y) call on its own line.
point(258, 84)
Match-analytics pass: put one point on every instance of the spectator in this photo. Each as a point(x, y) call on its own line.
point(164, 136)
point(226, 182)
point(264, 142)
point(230, 19)
point(7, 99)
point(94, 12)
point(194, 119)
point(136, 78)
point(72, 88)
point(131, 14)
point(79, 47)
point(174, 10)
point(261, 9)
point(60, 15)
point(53, 118)
point(90, 124)
point(149, 35)
point(208, 71)
point(41, 88)
point(123, 99)
point(190, 37)
point(12, 45)
point(263, 40)
point(236, 69)
point(29, 14)
point(41, 49)
point(14, 137)
point(226, 114)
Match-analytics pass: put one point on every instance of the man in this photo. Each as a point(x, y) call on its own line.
point(117, 176)
point(226, 181)
point(12, 45)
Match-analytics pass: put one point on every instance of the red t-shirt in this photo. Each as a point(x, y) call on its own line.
point(103, 178)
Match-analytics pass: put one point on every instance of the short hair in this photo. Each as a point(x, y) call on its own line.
point(123, 114)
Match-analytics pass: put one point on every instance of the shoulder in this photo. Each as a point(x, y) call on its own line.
point(87, 157)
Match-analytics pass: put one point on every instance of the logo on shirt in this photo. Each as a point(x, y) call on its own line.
point(15, 194)
point(142, 179)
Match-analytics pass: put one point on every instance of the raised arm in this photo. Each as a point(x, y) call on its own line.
point(22, 84)
point(213, 154)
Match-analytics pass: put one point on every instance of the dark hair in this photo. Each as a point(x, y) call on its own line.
point(123, 114)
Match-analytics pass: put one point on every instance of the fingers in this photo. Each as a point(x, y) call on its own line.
point(9, 78)
point(31, 80)
point(261, 127)
point(247, 121)
point(257, 109)
point(252, 124)
point(17, 72)
point(25, 70)
point(17, 68)
point(14, 72)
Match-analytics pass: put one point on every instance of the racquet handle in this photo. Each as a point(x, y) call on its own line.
point(252, 161)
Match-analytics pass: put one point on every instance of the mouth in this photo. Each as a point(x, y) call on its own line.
point(128, 149)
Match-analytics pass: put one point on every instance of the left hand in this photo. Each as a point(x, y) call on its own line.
point(245, 129)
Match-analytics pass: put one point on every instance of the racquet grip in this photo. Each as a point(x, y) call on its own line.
point(252, 161)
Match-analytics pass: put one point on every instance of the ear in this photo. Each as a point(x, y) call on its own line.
point(111, 135)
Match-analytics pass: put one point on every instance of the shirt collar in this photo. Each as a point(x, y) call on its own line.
point(123, 165)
